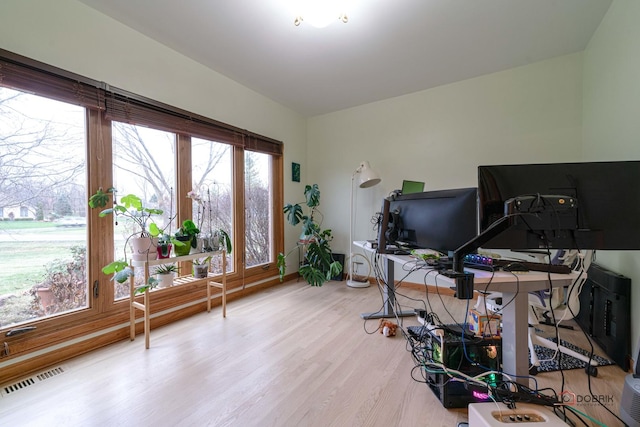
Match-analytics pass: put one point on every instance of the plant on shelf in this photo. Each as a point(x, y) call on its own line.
point(318, 265)
point(201, 267)
point(164, 245)
point(213, 238)
point(164, 274)
point(223, 240)
point(132, 208)
point(201, 261)
point(166, 269)
point(187, 234)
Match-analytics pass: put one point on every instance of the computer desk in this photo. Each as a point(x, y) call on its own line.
point(514, 287)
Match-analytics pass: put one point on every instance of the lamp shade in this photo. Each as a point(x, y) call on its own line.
point(367, 176)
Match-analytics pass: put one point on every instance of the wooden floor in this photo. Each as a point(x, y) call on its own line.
point(292, 355)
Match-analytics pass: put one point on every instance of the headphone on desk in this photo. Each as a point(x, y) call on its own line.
point(394, 227)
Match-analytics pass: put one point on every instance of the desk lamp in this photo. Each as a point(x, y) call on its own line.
point(367, 177)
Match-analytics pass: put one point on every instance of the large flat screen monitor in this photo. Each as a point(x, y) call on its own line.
point(440, 220)
point(607, 204)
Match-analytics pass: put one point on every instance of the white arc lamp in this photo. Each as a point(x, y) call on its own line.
point(366, 178)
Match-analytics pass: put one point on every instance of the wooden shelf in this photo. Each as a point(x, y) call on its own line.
point(145, 307)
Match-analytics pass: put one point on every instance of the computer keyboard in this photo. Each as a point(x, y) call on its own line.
point(481, 262)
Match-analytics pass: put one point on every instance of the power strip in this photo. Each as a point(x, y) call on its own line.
point(490, 414)
point(421, 318)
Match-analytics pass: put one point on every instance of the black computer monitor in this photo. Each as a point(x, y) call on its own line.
point(606, 197)
point(440, 220)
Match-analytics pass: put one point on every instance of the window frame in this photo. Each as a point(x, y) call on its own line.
point(103, 312)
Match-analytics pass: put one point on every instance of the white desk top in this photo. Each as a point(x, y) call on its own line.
point(498, 281)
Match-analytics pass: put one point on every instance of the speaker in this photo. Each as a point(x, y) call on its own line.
point(492, 414)
point(630, 401)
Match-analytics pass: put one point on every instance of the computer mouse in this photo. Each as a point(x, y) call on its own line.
point(515, 266)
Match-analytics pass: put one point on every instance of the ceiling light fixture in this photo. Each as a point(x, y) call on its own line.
point(320, 13)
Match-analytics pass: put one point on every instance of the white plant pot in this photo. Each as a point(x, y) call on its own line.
point(199, 244)
point(143, 248)
point(164, 280)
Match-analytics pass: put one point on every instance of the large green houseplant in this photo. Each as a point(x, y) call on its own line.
point(318, 265)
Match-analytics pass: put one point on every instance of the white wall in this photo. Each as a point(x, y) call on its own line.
point(612, 116)
point(440, 136)
point(74, 37)
point(527, 114)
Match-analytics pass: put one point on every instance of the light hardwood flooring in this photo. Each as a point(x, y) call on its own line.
point(292, 355)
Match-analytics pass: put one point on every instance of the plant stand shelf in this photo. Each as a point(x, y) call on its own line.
point(145, 305)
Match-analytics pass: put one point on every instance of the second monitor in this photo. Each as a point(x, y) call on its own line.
point(441, 220)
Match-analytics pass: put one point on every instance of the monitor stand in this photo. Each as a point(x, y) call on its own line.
point(389, 297)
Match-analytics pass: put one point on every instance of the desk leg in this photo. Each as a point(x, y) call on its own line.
point(389, 295)
point(515, 344)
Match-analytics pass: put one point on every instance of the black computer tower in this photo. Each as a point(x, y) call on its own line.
point(482, 354)
point(605, 313)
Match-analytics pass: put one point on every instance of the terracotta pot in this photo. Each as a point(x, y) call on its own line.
point(46, 297)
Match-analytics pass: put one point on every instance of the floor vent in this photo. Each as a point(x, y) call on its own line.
point(35, 379)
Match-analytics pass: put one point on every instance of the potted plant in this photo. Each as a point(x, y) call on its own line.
point(187, 234)
point(164, 246)
point(318, 265)
point(132, 208)
point(164, 274)
point(218, 239)
point(201, 267)
point(211, 239)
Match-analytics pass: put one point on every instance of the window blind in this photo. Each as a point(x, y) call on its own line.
point(21, 73)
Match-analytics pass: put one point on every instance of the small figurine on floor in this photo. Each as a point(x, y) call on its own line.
point(388, 329)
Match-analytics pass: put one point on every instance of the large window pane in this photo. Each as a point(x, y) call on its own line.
point(212, 168)
point(43, 206)
point(144, 165)
point(258, 202)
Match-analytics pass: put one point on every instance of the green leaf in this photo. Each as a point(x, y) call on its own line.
point(312, 194)
point(153, 211)
point(114, 267)
point(105, 212)
point(309, 227)
point(132, 201)
point(227, 241)
point(282, 265)
point(151, 283)
point(154, 230)
point(334, 270)
point(313, 276)
point(100, 198)
point(177, 242)
point(294, 213)
point(123, 275)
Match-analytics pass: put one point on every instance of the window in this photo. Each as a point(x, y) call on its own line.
point(258, 197)
point(213, 201)
point(62, 137)
point(36, 171)
point(144, 165)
